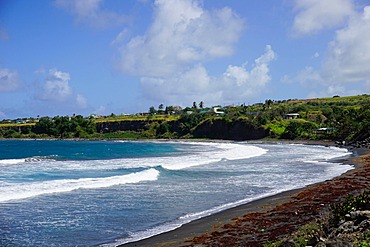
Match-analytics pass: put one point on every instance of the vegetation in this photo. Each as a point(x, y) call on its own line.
point(322, 227)
point(350, 204)
point(57, 127)
point(337, 118)
point(300, 238)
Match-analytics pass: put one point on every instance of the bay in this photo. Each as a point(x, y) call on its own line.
point(91, 193)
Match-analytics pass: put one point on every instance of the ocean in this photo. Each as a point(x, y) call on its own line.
point(105, 193)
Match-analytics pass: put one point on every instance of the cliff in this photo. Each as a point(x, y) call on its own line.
point(210, 128)
point(229, 130)
point(129, 125)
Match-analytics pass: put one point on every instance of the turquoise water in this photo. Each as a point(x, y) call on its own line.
point(91, 193)
point(81, 150)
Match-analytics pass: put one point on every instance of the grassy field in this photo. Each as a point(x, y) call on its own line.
point(5, 125)
point(137, 118)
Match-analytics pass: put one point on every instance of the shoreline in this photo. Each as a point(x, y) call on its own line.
point(212, 228)
point(260, 221)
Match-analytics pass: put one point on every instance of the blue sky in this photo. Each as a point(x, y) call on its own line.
point(67, 57)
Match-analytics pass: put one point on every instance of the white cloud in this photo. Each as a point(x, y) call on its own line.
point(308, 77)
point(56, 86)
point(349, 53)
point(346, 64)
point(181, 34)
point(120, 37)
point(316, 15)
point(9, 80)
point(241, 83)
point(91, 12)
point(237, 84)
point(183, 88)
point(171, 56)
point(57, 90)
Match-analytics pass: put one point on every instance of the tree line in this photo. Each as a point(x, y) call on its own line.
point(345, 118)
point(56, 127)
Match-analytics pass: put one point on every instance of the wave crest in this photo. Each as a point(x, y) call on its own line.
point(27, 190)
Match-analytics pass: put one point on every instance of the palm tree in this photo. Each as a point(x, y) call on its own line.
point(160, 107)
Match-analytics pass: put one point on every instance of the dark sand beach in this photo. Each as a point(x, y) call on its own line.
point(270, 218)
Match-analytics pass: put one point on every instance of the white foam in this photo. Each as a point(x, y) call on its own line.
point(11, 161)
point(206, 153)
point(217, 152)
point(7, 162)
point(321, 152)
point(27, 190)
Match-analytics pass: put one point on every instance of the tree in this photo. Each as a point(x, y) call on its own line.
point(45, 126)
point(160, 107)
point(188, 122)
point(268, 102)
point(201, 105)
point(169, 109)
point(299, 128)
point(194, 105)
point(152, 110)
point(63, 126)
point(163, 128)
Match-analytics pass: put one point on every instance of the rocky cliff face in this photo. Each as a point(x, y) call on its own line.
point(222, 129)
point(105, 127)
point(211, 128)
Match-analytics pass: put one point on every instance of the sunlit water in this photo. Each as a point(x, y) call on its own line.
point(91, 193)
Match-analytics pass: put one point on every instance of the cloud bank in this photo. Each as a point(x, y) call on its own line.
point(171, 56)
point(316, 15)
point(349, 53)
point(347, 60)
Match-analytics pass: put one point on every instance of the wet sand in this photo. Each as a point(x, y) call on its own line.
point(270, 218)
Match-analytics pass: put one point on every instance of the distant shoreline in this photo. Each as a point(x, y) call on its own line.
point(211, 229)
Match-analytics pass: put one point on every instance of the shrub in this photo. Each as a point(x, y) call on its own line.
point(299, 129)
point(351, 203)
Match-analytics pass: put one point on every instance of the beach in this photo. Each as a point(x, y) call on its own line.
point(270, 218)
point(81, 195)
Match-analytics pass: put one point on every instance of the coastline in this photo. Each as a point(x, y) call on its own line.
point(272, 217)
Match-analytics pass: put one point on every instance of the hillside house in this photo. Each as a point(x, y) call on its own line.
point(324, 131)
point(218, 111)
point(291, 116)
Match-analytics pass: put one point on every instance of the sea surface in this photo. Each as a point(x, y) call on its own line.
point(105, 193)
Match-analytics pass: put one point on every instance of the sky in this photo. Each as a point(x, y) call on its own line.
point(66, 57)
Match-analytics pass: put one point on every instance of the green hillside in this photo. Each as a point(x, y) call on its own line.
point(337, 118)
